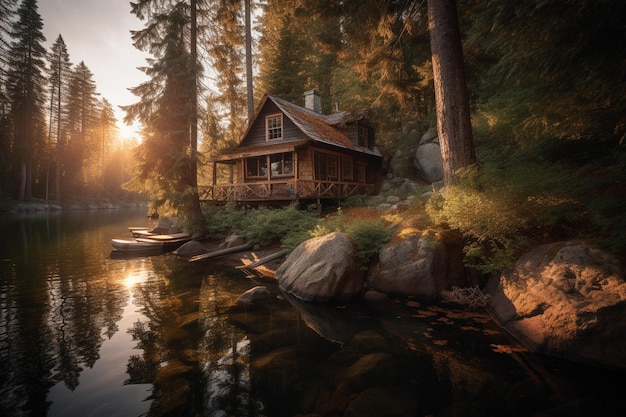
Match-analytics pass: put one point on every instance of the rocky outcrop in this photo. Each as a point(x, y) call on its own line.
point(413, 266)
point(322, 269)
point(565, 299)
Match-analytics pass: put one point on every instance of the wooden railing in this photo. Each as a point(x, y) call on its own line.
point(283, 190)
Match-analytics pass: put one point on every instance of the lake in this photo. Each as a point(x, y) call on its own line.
point(86, 333)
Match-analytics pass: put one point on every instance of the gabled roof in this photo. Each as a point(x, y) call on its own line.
point(317, 127)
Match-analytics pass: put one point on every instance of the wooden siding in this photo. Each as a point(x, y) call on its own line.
point(256, 134)
point(305, 164)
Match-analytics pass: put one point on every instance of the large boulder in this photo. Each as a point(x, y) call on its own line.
point(415, 265)
point(427, 160)
point(565, 299)
point(322, 269)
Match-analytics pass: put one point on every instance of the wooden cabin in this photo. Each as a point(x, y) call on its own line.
point(297, 154)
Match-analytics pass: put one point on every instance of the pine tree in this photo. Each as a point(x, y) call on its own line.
point(60, 71)
point(550, 69)
point(224, 39)
point(282, 49)
point(166, 157)
point(82, 119)
point(25, 86)
point(107, 130)
point(7, 11)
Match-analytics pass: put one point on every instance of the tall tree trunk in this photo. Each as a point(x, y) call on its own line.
point(195, 209)
point(58, 147)
point(451, 96)
point(249, 61)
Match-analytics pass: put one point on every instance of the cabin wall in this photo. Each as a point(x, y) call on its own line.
point(352, 132)
point(305, 164)
point(256, 136)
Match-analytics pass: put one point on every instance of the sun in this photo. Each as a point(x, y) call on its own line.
point(128, 132)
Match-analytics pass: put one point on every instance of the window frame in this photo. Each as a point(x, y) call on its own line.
point(261, 165)
point(282, 158)
point(363, 135)
point(274, 132)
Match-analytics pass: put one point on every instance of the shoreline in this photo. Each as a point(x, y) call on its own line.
point(45, 206)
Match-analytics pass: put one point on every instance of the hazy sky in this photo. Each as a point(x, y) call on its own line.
point(97, 32)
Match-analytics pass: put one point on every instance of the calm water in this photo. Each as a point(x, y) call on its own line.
point(84, 333)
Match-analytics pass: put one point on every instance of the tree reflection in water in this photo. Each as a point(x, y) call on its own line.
point(226, 354)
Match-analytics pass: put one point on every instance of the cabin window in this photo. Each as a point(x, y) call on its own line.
point(281, 164)
point(256, 167)
point(325, 166)
point(347, 172)
point(364, 136)
point(274, 127)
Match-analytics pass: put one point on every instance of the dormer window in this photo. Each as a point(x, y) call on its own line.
point(274, 127)
point(364, 136)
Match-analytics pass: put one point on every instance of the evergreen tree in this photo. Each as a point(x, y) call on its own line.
point(224, 40)
point(7, 11)
point(82, 120)
point(550, 69)
point(166, 158)
point(25, 87)
point(107, 130)
point(60, 71)
point(282, 49)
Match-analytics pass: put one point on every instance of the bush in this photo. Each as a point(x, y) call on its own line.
point(265, 226)
point(369, 235)
point(531, 195)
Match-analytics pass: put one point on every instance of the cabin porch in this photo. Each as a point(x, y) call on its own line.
point(283, 190)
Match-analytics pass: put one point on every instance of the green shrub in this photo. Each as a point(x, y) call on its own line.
point(265, 226)
point(369, 236)
point(489, 217)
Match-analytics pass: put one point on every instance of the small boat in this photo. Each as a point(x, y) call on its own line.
point(152, 243)
point(132, 245)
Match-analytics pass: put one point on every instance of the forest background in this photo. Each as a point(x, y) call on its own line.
point(546, 80)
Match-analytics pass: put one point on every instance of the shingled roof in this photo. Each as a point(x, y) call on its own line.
point(322, 128)
point(317, 127)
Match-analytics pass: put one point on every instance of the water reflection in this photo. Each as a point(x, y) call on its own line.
point(225, 354)
point(156, 336)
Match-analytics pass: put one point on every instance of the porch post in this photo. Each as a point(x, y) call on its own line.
point(296, 173)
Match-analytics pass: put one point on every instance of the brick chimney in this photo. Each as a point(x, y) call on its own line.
point(313, 101)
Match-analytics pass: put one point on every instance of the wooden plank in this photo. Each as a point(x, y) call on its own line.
point(265, 259)
point(221, 252)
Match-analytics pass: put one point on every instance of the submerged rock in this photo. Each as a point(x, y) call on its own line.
point(258, 293)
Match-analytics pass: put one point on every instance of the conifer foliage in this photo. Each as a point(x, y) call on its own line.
point(25, 87)
point(166, 165)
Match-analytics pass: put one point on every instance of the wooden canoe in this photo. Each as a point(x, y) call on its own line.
point(132, 245)
point(163, 243)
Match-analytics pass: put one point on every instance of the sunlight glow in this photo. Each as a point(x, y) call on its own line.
point(128, 132)
point(134, 278)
